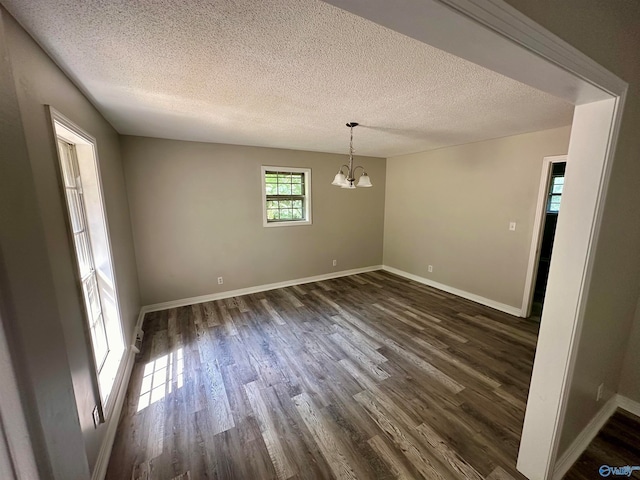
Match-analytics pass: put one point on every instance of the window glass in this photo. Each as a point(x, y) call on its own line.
point(287, 197)
point(556, 187)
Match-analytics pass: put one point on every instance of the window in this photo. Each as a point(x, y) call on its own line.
point(89, 236)
point(286, 196)
point(555, 187)
point(86, 263)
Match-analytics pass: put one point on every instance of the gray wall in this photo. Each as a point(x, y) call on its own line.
point(38, 82)
point(451, 208)
point(608, 32)
point(196, 210)
point(42, 367)
point(630, 378)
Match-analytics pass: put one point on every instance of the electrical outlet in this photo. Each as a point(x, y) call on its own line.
point(335, 263)
point(430, 268)
point(599, 392)
point(220, 281)
point(96, 417)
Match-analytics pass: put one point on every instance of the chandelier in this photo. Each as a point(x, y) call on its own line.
point(346, 179)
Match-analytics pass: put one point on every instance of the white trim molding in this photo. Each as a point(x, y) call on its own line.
point(517, 312)
point(246, 291)
point(582, 441)
point(102, 462)
point(629, 405)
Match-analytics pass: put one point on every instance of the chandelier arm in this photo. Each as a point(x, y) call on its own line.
point(355, 168)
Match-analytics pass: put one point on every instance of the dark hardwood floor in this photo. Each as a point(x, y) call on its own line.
point(616, 445)
point(363, 377)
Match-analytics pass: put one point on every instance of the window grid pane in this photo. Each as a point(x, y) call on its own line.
point(99, 339)
point(285, 196)
point(93, 301)
point(555, 194)
point(69, 174)
point(83, 252)
point(75, 209)
point(554, 203)
point(557, 185)
point(77, 217)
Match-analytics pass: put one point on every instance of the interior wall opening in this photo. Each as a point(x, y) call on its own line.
point(546, 221)
point(528, 53)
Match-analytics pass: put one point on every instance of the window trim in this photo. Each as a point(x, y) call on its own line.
point(116, 360)
point(307, 196)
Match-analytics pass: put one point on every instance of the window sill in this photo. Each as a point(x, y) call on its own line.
point(287, 224)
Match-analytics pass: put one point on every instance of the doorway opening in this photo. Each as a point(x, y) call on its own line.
point(475, 30)
point(544, 231)
point(554, 197)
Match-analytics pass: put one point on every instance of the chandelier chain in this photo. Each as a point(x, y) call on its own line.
point(346, 179)
point(351, 146)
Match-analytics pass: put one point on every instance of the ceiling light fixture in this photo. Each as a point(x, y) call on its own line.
point(345, 180)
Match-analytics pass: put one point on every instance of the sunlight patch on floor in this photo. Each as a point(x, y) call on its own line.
point(159, 377)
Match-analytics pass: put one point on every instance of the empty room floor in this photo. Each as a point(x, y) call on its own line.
point(370, 376)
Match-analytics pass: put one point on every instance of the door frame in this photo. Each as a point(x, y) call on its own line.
point(538, 229)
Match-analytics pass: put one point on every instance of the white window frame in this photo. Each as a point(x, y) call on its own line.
point(551, 195)
point(307, 196)
point(103, 376)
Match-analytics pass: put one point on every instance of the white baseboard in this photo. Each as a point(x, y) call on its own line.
point(460, 293)
point(582, 441)
point(259, 288)
point(100, 468)
point(629, 405)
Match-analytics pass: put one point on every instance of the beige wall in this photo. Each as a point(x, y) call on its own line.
point(608, 32)
point(196, 210)
point(451, 208)
point(38, 82)
point(630, 378)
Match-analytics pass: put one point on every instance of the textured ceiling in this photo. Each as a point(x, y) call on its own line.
point(277, 73)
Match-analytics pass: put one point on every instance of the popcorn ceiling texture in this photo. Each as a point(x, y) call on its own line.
point(277, 73)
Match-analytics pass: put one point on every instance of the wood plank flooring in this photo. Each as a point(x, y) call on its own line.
point(369, 376)
point(616, 445)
